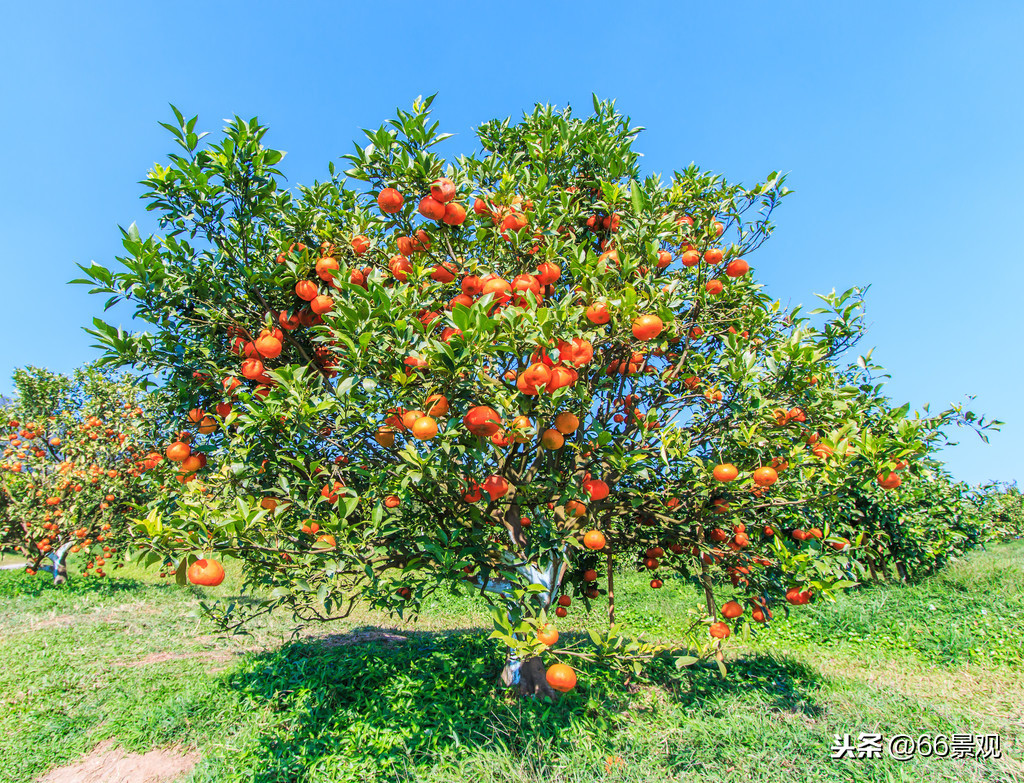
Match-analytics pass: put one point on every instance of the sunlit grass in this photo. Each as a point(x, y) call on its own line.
point(128, 659)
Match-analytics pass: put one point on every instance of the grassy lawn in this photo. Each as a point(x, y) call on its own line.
point(369, 698)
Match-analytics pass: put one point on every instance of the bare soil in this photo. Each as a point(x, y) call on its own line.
point(107, 764)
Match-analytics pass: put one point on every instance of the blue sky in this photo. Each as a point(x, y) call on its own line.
point(899, 125)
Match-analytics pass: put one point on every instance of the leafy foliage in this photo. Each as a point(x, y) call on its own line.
point(70, 477)
point(452, 371)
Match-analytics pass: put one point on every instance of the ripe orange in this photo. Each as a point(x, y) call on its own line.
point(796, 597)
point(890, 481)
point(482, 421)
point(822, 450)
point(496, 486)
point(690, 258)
point(647, 327)
point(725, 472)
point(597, 489)
point(713, 256)
point(409, 418)
point(547, 634)
point(400, 267)
point(535, 377)
point(472, 285)
point(731, 610)
point(324, 269)
point(575, 508)
point(252, 369)
point(561, 677)
point(594, 539)
point(552, 439)
point(390, 200)
point(513, 222)
point(208, 573)
point(765, 477)
point(566, 423)
point(561, 376)
point(454, 214)
point(424, 428)
point(737, 268)
point(498, 287)
point(442, 190)
point(321, 304)
point(437, 405)
point(590, 575)
point(306, 290)
point(548, 273)
point(431, 208)
point(385, 437)
point(598, 313)
point(178, 451)
point(360, 244)
point(520, 426)
point(714, 287)
point(719, 630)
point(392, 501)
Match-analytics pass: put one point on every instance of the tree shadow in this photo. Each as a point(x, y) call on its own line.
point(385, 703)
point(787, 685)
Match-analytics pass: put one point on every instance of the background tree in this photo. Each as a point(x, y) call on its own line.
point(490, 373)
point(70, 473)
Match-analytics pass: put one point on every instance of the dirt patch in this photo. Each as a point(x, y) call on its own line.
point(59, 620)
point(214, 656)
point(107, 764)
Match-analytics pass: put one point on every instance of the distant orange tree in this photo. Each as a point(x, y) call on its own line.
point(74, 449)
point(500, 372)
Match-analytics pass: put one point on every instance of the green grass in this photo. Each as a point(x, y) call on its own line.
point(127, 659)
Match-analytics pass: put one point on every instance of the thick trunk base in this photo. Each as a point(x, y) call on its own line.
point(59, 569)
point(532, 679)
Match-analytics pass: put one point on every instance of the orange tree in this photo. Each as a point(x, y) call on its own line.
point(911, 519)
point(492, 373)
point(1002, 505)
point(70, 467)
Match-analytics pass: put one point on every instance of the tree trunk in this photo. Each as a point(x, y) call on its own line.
point(901, 570)
point(871, 567)
point(611, 593)
point(709, 593)
point(60, 571)
point(531, 678)
point(59, 567)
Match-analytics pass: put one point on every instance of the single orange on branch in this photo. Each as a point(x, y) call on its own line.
point(207, 573)
point(561, 677)
point(725, 472)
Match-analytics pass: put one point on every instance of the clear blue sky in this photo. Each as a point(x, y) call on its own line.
point(900, 125)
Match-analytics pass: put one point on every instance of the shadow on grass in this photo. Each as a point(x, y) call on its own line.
point(382, 703)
